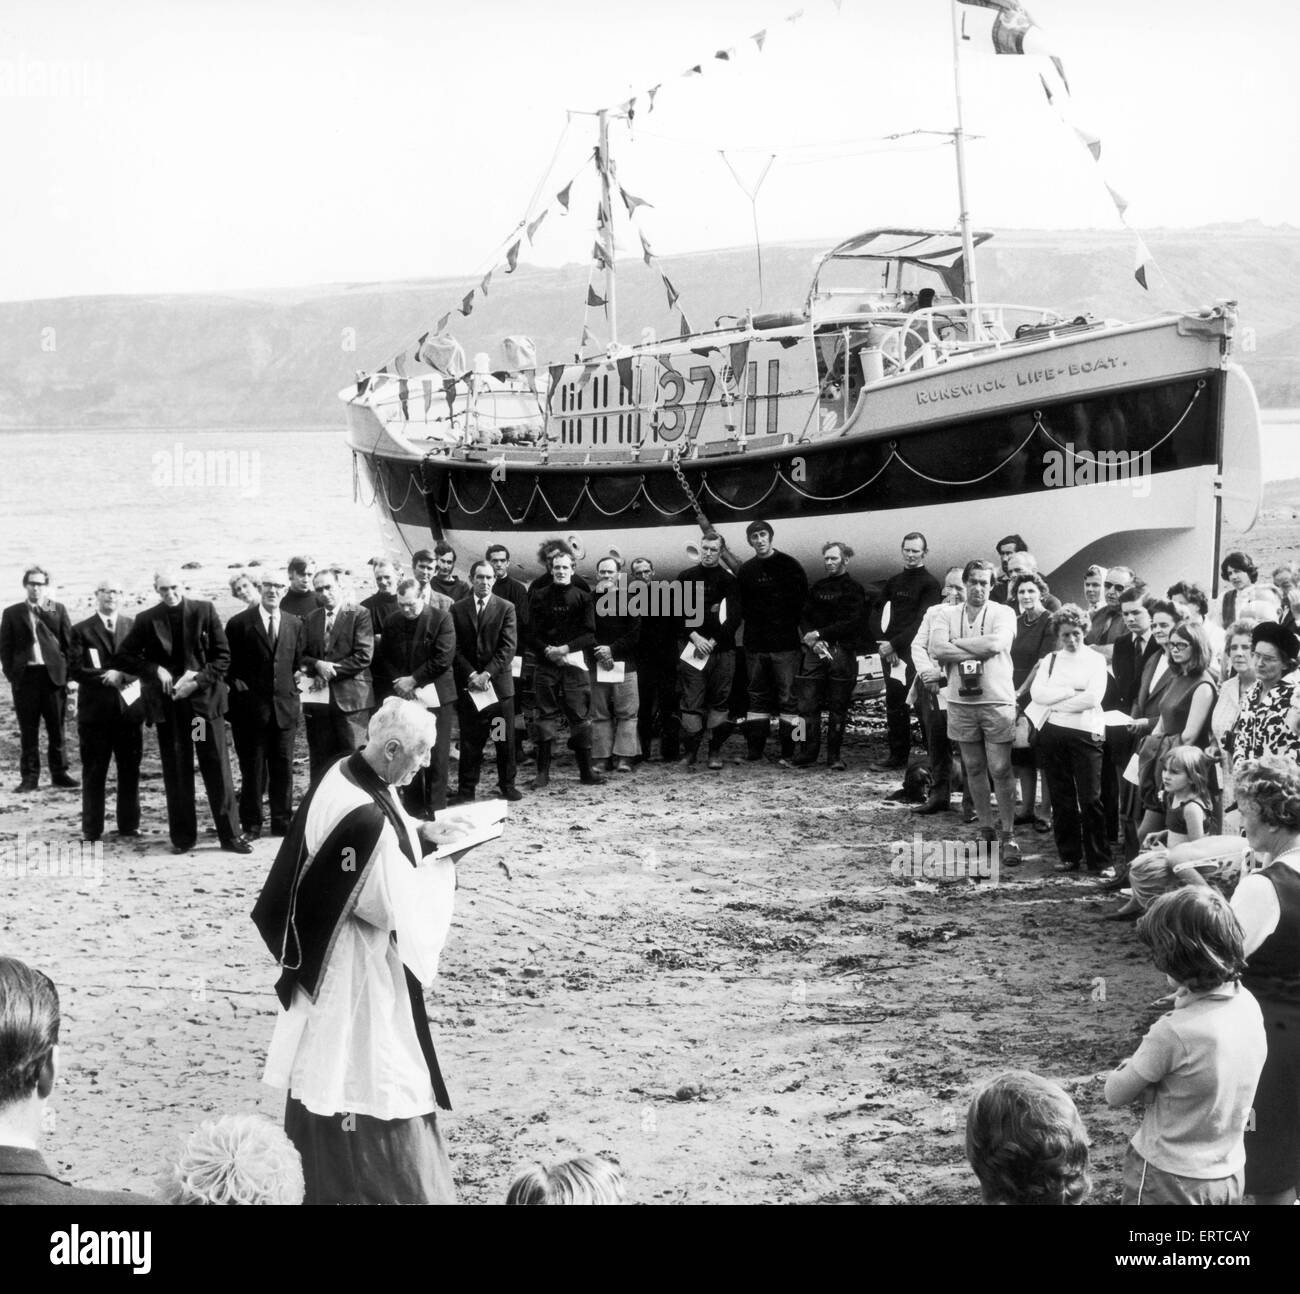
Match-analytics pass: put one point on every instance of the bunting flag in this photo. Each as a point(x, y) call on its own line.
point(654, 89)
point(483, 287)
point(794, 17)
point(724, 55)
point(592, 298)
point(624, 366)
point(534, 226)
point(686, 327)
point(1090, 142)
point(672, 291)
point(1120, 201)
point(426, 389)
point(646, 254)
point(403, 391)
point(737, 360)
point(449, 394)
point(588, 372)
point(512, 257)
point(441, 325)
point(1015, 32)
point(759, 37)
point(562, 198)
point(467, 305)
point(363, 385)
point(631, 201)
point(697, 70)
point(1141, 261)
point(399, 364)
point(599, 255)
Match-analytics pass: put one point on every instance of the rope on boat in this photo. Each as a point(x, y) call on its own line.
point(1196, 395)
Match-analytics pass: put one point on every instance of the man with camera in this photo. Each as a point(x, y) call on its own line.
point(973, 643)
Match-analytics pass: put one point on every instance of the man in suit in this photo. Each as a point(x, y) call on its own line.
point(486, 641)
point(179, 650)
point(516, 593)
point(35, 639)
point(29, 1067)
point(109, 724)
point(418, 648)
point(266, 646)
point(339, 646)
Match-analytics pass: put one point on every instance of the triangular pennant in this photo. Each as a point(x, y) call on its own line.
point(759, 38)
point(665, 362)
point(467, 305)
point(686, 327)
point(1142, 259)
point(794, 17)
point(487, 278)
point(363, 385)
point(588, 339)
point(738, 358)
point(624, 366)
point(427, 390)
point(631, 110)
point(1060, 71)
point(419, 345)
point(592, 298)
point(650, 94)
point(724, 55)
point(697, 70)
point(563, 197)
point(631, 201)
point(588, 372)
point(600, 256)
point(1090, 142)
point(534, 226)
point(442, 323)
point(399, 365)
point(646, 253)
point(1047, 89)
point(512, 257)
point(1120, 201)
point(403, 391)
point(449, 394)
point(672, 291)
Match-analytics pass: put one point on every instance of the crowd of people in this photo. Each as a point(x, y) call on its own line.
point(1144, 737)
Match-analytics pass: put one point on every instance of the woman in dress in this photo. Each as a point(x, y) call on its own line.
point(1267, 904)
point(1066, 708)
point(1193, 606)
point(1269, 722)
point(1185, 707)
point(1239, 571)
point(1032, 642)
point(1227, 706)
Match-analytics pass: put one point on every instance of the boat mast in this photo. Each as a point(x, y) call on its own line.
point(607, 232)
point(959, 139)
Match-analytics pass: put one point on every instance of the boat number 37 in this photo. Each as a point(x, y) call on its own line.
point(670, 417)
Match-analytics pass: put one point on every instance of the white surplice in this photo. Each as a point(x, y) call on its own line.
point(354, 1050)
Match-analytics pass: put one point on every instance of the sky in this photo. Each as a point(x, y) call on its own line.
point(215, 145)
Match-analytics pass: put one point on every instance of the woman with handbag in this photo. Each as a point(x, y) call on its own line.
point(1065, 707)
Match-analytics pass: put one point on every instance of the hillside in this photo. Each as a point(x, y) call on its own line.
point(276, 358)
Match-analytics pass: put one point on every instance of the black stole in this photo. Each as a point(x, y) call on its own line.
point(302, 907)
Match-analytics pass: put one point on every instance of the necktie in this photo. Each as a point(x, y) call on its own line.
point(112, 626)
point(482, 602)
point(275, 629)
point(329, 624)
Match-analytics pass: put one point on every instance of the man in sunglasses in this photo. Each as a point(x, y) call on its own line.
point(1108, 620)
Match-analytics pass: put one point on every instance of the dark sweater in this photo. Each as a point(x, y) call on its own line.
point(299, 604)
point(908, 595)
point(837, 610)
point(561, 614)
point(773, 591)
point(454, 588)
point(719, 585)
point(621, 634)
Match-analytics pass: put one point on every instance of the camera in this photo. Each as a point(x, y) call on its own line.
point(969, 675)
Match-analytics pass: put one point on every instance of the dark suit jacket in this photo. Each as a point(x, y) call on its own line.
point(426, 656)
point(1150, 697)
point(54, 630)
point(351, 647)
point(149, 645)
point(489, 644)
point(258, 683)
point(25, 1178)
point(1128, 669)
point(97, 701)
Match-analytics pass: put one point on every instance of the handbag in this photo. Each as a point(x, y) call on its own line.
point(1027, 732)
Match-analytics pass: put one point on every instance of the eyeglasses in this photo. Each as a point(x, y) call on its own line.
point(35, 584)
point(1177, 642)
point(1111, 585)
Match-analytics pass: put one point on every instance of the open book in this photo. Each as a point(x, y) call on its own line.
point(474, 824)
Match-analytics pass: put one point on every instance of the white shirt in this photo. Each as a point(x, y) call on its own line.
point(922, 661)
point(266, 619)
point(992, 619)
point(1256, 904)
point(354, 1050)
point(1056, 689)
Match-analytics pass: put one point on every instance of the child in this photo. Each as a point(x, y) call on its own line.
point(585, 1180)
point(1197, 1067)
point(1026, 1142)
point(1186, 773)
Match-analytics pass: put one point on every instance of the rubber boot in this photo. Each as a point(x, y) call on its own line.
point(543, 778)
point(807, 750)
point(786, 730)
point(755, 738)
point(718, 739)
point(836, 725)
point(690, 748)
point(586, 774)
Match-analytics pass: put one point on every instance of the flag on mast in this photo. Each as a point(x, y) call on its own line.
point(1014, 32)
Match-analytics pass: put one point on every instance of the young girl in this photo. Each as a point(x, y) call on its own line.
point(1185, 774)
point(1197, 1068)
